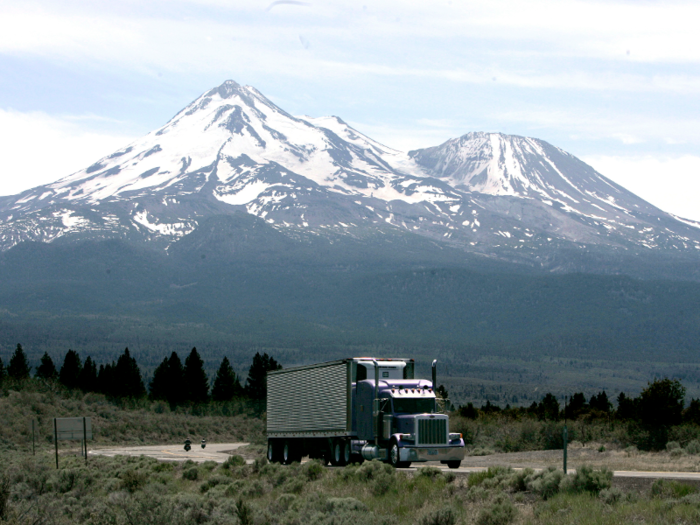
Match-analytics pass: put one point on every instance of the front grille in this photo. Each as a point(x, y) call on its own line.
point(432, 431)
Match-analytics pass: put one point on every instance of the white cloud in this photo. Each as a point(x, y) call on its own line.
point(38, 148)
point(464, 42)
point(669, 183)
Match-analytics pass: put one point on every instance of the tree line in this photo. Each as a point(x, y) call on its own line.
point(172, 381)
point(649, 417)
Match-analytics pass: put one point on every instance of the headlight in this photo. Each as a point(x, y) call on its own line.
point(408, 437)
point(454, 436)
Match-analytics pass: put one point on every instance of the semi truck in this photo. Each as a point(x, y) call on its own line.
point(357, 409)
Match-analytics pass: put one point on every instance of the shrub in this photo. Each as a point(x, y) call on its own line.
point(495, 473)
point(161, 466)
point(519, 479)
point(244, 513)
point(663, 488)
point(693, 447)
point(294, 486)
point(611, 495)
point(208, 466)
point(501, 512)
point(588, 480)
point(65, 480)
point(285, 501)
point(672, 445)
point(545, 483)
point(233, 461)
point(213, 482)
point(131, 480)
point(382, 483)
point(371, 470)
point(313, 470)
point(191, 473)
point(429, 472)
point(678, 452)
point(443, 516)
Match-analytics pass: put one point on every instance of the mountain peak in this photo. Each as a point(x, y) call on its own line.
point(227, 89)
point(232, 150)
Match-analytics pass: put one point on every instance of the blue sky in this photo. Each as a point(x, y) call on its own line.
point(615, 83)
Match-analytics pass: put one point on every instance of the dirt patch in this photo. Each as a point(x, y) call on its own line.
point(251, 451)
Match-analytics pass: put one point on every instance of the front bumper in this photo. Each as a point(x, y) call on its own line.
point(444, 453)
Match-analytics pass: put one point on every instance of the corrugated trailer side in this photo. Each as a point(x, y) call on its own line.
point(310, 401)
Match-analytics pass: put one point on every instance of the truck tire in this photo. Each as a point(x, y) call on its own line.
point(454, 464)
point(286, 452)
point(274, 454)
point(291, 452)
point(395, 456)
point(341, 453)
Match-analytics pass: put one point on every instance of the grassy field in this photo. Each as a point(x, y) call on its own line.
point(139, 490)
point(134, 491)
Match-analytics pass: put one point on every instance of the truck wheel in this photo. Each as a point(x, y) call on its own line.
point(340, 452)
point(395, 456)
point(289, 452)
point(454, 464)
point(347, 449)
point(274, 454)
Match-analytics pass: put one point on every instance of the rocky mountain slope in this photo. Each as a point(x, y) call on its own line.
point(232, 150)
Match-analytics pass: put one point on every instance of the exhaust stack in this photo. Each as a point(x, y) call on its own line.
point(375, 403)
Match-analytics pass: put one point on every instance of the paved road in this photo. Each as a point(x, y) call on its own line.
point(219, 452)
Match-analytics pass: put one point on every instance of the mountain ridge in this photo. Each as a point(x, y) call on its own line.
point(232, 150)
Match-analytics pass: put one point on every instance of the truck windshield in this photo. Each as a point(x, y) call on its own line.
point(414, 406)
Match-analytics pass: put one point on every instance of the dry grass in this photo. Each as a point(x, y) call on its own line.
point(141, 423)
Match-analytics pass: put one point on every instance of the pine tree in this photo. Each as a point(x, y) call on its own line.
point(105, 380)
point(256, 384)
point(19, 368)
point(226, 385)
point(168, 383)
point(127, 377)
point(46, 370)
point(196, 378)
point(87, 379)
point(548, 409)
point(72, 366)
point(600, 402)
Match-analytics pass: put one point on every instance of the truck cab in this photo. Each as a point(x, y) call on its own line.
point(398, 417)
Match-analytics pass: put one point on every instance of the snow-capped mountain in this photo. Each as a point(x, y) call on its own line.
point(233, 150)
